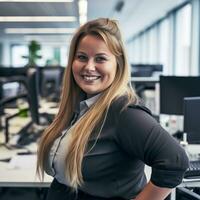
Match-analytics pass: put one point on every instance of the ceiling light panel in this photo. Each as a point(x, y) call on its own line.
point(82, 5)
point(33, 1)
point(38, 19)
point(39, 30)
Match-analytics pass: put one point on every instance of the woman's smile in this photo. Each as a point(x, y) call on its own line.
point(91, 78)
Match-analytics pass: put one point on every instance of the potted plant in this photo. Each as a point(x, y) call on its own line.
point(33, 49)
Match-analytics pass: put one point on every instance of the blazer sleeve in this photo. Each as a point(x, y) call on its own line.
point(139, 134)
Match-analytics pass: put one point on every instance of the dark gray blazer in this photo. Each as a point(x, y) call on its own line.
point(129, 140)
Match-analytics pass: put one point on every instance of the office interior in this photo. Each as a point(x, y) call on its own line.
point(162, 40)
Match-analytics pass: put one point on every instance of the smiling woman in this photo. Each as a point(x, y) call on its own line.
point(94, 66)
point(102, 136)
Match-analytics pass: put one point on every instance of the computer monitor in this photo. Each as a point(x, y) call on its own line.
point(191, 119)
point(186, 194)
point(173, 89)
point(145, 70)
point(157, 67)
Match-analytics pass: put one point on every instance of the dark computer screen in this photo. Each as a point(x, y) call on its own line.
point(186, 194)
point(173, 89)
point(145, 70)
point(191, 119)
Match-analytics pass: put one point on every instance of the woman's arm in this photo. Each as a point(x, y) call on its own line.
point(153, 192)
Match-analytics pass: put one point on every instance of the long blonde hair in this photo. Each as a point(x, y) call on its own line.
point(109, 31)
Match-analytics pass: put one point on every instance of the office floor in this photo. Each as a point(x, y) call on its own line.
point(8, 152)
point(16, 124)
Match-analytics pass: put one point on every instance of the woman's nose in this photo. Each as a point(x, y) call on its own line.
point(90, 65)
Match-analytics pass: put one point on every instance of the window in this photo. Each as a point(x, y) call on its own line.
point(1, 53)
point(153, 46)
point(63, 56)
point(164, 45)
point(136, 53)
point(183, 40)
point(17, 53)
point(144, 48)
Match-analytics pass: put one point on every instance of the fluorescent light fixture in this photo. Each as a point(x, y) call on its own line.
point(33, 1)
point(37, 19)
point(47, 38)
point(44, 37)
point(82, 7)
point(82, 4)
point(39, 30)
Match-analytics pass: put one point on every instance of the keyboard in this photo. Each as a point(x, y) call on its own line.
point(193, 170)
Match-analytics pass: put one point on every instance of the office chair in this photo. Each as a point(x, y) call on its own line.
point(27, 76)
point(50, 79)
point(3, 102)
point(32, 131)
point(6, 76)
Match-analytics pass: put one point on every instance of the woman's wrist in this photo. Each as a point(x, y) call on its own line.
point(152, 191)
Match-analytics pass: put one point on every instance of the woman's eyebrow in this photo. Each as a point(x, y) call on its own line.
point(102, 54)
point(81, 52)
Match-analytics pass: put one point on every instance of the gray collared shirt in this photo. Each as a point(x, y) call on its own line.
point(57, 155)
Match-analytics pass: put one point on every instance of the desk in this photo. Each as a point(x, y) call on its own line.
point(190, 183)
point(145, 79)
point(193, 151)
point(25, 177)
point(186, 183)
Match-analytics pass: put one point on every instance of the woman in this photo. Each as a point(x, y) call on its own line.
point(101, 138)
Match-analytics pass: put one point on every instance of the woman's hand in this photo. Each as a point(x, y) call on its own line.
point(153, 192)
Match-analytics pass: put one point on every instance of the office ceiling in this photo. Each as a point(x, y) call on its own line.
point(134, 15)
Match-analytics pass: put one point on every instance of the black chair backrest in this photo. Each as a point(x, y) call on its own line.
point(29, 76)
point(32, 75)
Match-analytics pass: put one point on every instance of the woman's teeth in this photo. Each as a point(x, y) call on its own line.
point(91, 78)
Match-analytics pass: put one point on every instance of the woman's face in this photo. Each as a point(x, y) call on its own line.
point(94, 66)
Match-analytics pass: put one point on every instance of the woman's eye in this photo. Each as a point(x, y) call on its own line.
point(100, 59)
point(82, 57)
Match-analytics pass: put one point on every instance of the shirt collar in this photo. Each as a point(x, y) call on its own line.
point(88, 102)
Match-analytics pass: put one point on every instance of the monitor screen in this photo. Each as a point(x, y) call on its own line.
point(145, 70)
point(191, 119)
point(173, 89)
